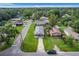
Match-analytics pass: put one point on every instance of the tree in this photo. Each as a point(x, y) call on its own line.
point(75, 25)
point(8, 33)
point(52, 17)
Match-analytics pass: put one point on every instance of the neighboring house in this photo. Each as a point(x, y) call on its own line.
point(42, 21)
point(39, 23)
point(55, 32)
point(70, 32)
point(43, 18)
point(17, 21)
point(39, 32)
point(66, 15)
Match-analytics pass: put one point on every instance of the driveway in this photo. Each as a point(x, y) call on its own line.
point(40, 49)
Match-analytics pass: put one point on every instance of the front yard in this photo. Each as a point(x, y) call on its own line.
point(19, 28)
point(49, 43)
point(30, 43)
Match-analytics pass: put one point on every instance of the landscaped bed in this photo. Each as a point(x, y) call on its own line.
point(30, 43)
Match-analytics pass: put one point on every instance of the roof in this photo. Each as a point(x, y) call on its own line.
point(19, 22)
point(55, 31)
point(75, 35)
point(39, 30)
point(41, 22)
point(14, 19)
point(44, 18)
point(38, 22)
point(66, 15)
point(70, 32)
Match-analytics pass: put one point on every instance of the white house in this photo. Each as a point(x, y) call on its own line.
point(39, 32)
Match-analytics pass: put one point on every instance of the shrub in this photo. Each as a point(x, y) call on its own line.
point(70, 41)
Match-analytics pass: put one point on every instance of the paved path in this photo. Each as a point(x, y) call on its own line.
point(40, 49)
point(40, 45)
point(56, 48)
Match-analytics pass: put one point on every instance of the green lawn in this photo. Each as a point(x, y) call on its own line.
point(30, 43)
point(48, 45)
point(49, 42)
point(66, 47)
point(19, 28)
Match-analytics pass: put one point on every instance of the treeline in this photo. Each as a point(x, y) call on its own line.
point(6, 14)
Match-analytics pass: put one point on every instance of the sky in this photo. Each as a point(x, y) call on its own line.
point(28, 5)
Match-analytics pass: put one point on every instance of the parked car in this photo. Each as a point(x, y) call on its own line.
point(51, 52)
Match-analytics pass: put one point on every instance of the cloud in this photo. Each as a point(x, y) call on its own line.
point(7, 4)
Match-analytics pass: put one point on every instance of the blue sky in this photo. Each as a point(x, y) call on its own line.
point(27, 5)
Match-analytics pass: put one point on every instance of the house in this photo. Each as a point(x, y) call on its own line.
point(39, 23)
point(54, 32)
point(66, 15)
point(70, 32)
point(39, 32)
point(17, 21)
point(42, 21)
point(43, 18)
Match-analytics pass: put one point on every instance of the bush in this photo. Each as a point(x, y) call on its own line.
point(70, 41)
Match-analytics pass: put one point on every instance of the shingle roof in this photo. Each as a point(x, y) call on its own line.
point(71, 32)
point(39, 30)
